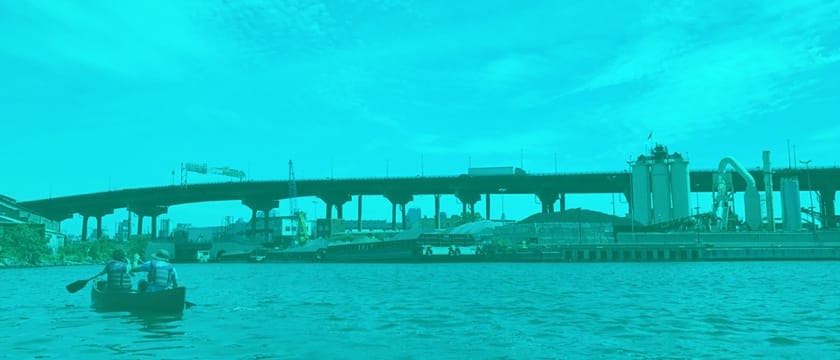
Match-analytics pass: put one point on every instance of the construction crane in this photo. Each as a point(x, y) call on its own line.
point(302, 234)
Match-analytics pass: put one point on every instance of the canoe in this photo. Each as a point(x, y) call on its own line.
point(167, 301)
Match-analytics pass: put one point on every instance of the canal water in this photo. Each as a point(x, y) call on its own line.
point(442, 311)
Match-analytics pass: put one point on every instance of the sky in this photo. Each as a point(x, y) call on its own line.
point(114, 95)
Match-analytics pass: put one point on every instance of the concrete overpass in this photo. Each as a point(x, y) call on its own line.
point(265, 195)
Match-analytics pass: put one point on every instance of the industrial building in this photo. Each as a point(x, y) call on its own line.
point(13, 215)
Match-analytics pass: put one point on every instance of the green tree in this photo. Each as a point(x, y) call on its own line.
point(24, 243)
point(100, 250)
point(467, 217)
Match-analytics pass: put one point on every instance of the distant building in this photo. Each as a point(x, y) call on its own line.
point(412, 216)
point(281, 231)
point(367, 225)
point(163, 231)
point(123, 231)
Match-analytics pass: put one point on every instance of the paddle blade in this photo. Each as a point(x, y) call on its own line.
point(76, 285)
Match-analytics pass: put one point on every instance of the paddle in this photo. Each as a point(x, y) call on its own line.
point(78, 284)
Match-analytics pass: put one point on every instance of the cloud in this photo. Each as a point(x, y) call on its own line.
point(680, 85)
point(642, 60)
point(145, 39)
point(513, 69)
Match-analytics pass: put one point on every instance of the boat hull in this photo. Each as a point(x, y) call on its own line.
point(168, 301)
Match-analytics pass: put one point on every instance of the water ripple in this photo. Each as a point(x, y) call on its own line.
point(448, 311)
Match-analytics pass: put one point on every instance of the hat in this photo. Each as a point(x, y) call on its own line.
point(161, 254)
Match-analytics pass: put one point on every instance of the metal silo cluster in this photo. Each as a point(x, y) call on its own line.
point(660, 187)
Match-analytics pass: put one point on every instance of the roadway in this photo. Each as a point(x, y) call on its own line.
point(549, 187)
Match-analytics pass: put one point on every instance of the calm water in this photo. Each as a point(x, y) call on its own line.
point(426, 311)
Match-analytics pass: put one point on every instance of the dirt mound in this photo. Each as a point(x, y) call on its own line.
point(576, 215)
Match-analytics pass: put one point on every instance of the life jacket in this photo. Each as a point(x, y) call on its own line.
point(118, 277)
point(160, 273)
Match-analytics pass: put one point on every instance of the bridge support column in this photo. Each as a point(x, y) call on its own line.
point(393, 216)
point(547, 199)
point(152, 211)
point(398, 199)
point(264, 205)
point(85, 219)
point(98, 227)
point(359, 225)
point(827, 197)
point(487, 206)
point(154, 227)
point(337, 200)
point(468, 199)
point(253, 222)
point(437, 211)
point(265, 225)
point(562, 202)
point(98, 214)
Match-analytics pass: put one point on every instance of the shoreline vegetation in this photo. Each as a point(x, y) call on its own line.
point(23, 247)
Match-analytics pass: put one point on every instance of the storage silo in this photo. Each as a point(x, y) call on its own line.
point(661, 187)
point(641, 191)
point(791, 208)
point(680, 187)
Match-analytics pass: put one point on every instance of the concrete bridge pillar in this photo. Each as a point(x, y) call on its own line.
point(562, 202)
point(547, 199)
point(85, 219)
point(98, 226)
point(154, 225)
point(359, 200)
point(487, 205)
point(337, 200)
point(468, 199)
point(260, 204)
point(437, 211)
point(98, 214)
point(827, 197)
point(401, 199)
point(152, 211)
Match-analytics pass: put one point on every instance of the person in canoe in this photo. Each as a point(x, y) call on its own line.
point(161, 274)
point(118, 271)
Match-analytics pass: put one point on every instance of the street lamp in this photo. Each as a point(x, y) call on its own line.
point(810, 192)
point(502, 190)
